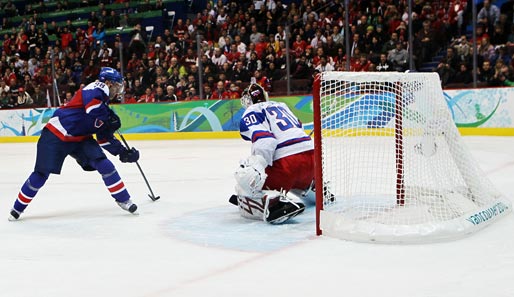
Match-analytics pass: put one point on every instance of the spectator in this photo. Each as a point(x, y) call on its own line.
point(398, 57)
point(147, 97)
point(489, 16)
point(207, 92)
point(485, 72)
point(149, 75)
point(384, 64)
point(67, 98)
point(129, 98)
point(139, 89)
point(192, 95)
point(170, 94)
point(426, 40)
point(38, 96)
point(262, 80)
point(137, 42)
point(24, 99)
point(273, 73)
point(301, 69)
point(159, 95)
point(218, 59)
point(255, 36)
point(463, 75)
point(299, 46)
point(324, 65)
point(240, 74)
point(220, 93)
point(4, 88)
point(22, 44)
point(234, 91)
point(445, 72)
point(99, 35)
point(486, 50)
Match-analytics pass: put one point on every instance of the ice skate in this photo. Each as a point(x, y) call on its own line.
point(128, 206)
point(281, 209)
point(14, 215)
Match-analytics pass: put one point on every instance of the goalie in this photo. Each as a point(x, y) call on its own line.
point(281, 161)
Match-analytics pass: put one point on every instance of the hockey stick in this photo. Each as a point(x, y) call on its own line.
point(151, 195)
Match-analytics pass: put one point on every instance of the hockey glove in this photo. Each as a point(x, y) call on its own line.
point(129, 156)
point(113, 122)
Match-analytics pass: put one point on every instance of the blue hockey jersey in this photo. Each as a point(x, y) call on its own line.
point(86, 114)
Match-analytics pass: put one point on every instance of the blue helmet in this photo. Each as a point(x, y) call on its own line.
point(111, 74)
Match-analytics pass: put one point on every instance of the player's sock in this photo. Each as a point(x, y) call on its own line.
point(28, 191)
point(114, 184)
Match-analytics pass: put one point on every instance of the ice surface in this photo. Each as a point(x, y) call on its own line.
point(74, 241)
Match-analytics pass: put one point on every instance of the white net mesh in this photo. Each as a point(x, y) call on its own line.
point(394, 159)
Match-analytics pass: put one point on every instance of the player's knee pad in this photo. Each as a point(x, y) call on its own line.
point(250, 176)
point(104, 166)
point(37, 179)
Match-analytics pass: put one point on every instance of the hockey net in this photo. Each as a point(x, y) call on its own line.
point(388, 149)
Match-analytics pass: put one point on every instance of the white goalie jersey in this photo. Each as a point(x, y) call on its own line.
point(275, 132)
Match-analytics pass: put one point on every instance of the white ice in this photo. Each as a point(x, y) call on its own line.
point(74, 241)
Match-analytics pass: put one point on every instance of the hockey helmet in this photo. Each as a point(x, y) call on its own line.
point(253, 94)
point(112, 75)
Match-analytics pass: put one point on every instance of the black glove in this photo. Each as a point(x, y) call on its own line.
point(129, 155)
point(113, 121)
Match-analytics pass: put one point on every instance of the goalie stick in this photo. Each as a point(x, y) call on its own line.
point(151, 195)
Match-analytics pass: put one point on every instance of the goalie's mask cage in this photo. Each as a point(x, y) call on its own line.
point(388, 149)
point(253, 94)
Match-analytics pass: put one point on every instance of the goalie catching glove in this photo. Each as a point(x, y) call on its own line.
point(129, 155)
point(250, 176)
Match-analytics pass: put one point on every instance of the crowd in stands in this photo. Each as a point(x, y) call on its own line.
point(244, 41)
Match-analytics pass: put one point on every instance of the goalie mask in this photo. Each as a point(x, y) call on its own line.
point(116, 86)
point(253, 94)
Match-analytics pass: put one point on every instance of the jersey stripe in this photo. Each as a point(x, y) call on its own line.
point(293, 141)
point(261, 134)
point(93, 104)
point(55, 126)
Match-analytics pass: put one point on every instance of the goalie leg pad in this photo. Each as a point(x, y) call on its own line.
point(272, 207)
point(250, 208)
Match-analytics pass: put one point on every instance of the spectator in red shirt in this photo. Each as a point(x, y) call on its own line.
point(147, 97)
point(220, 92)
point(262, 80)
point(234, 92)
point(22, 44)
point(191, 95)
point(66, 38)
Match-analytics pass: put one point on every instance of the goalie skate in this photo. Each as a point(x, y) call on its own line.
point(280, 209)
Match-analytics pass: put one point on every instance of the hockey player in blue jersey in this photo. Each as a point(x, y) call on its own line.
point(70, 133)
point(281, 162)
